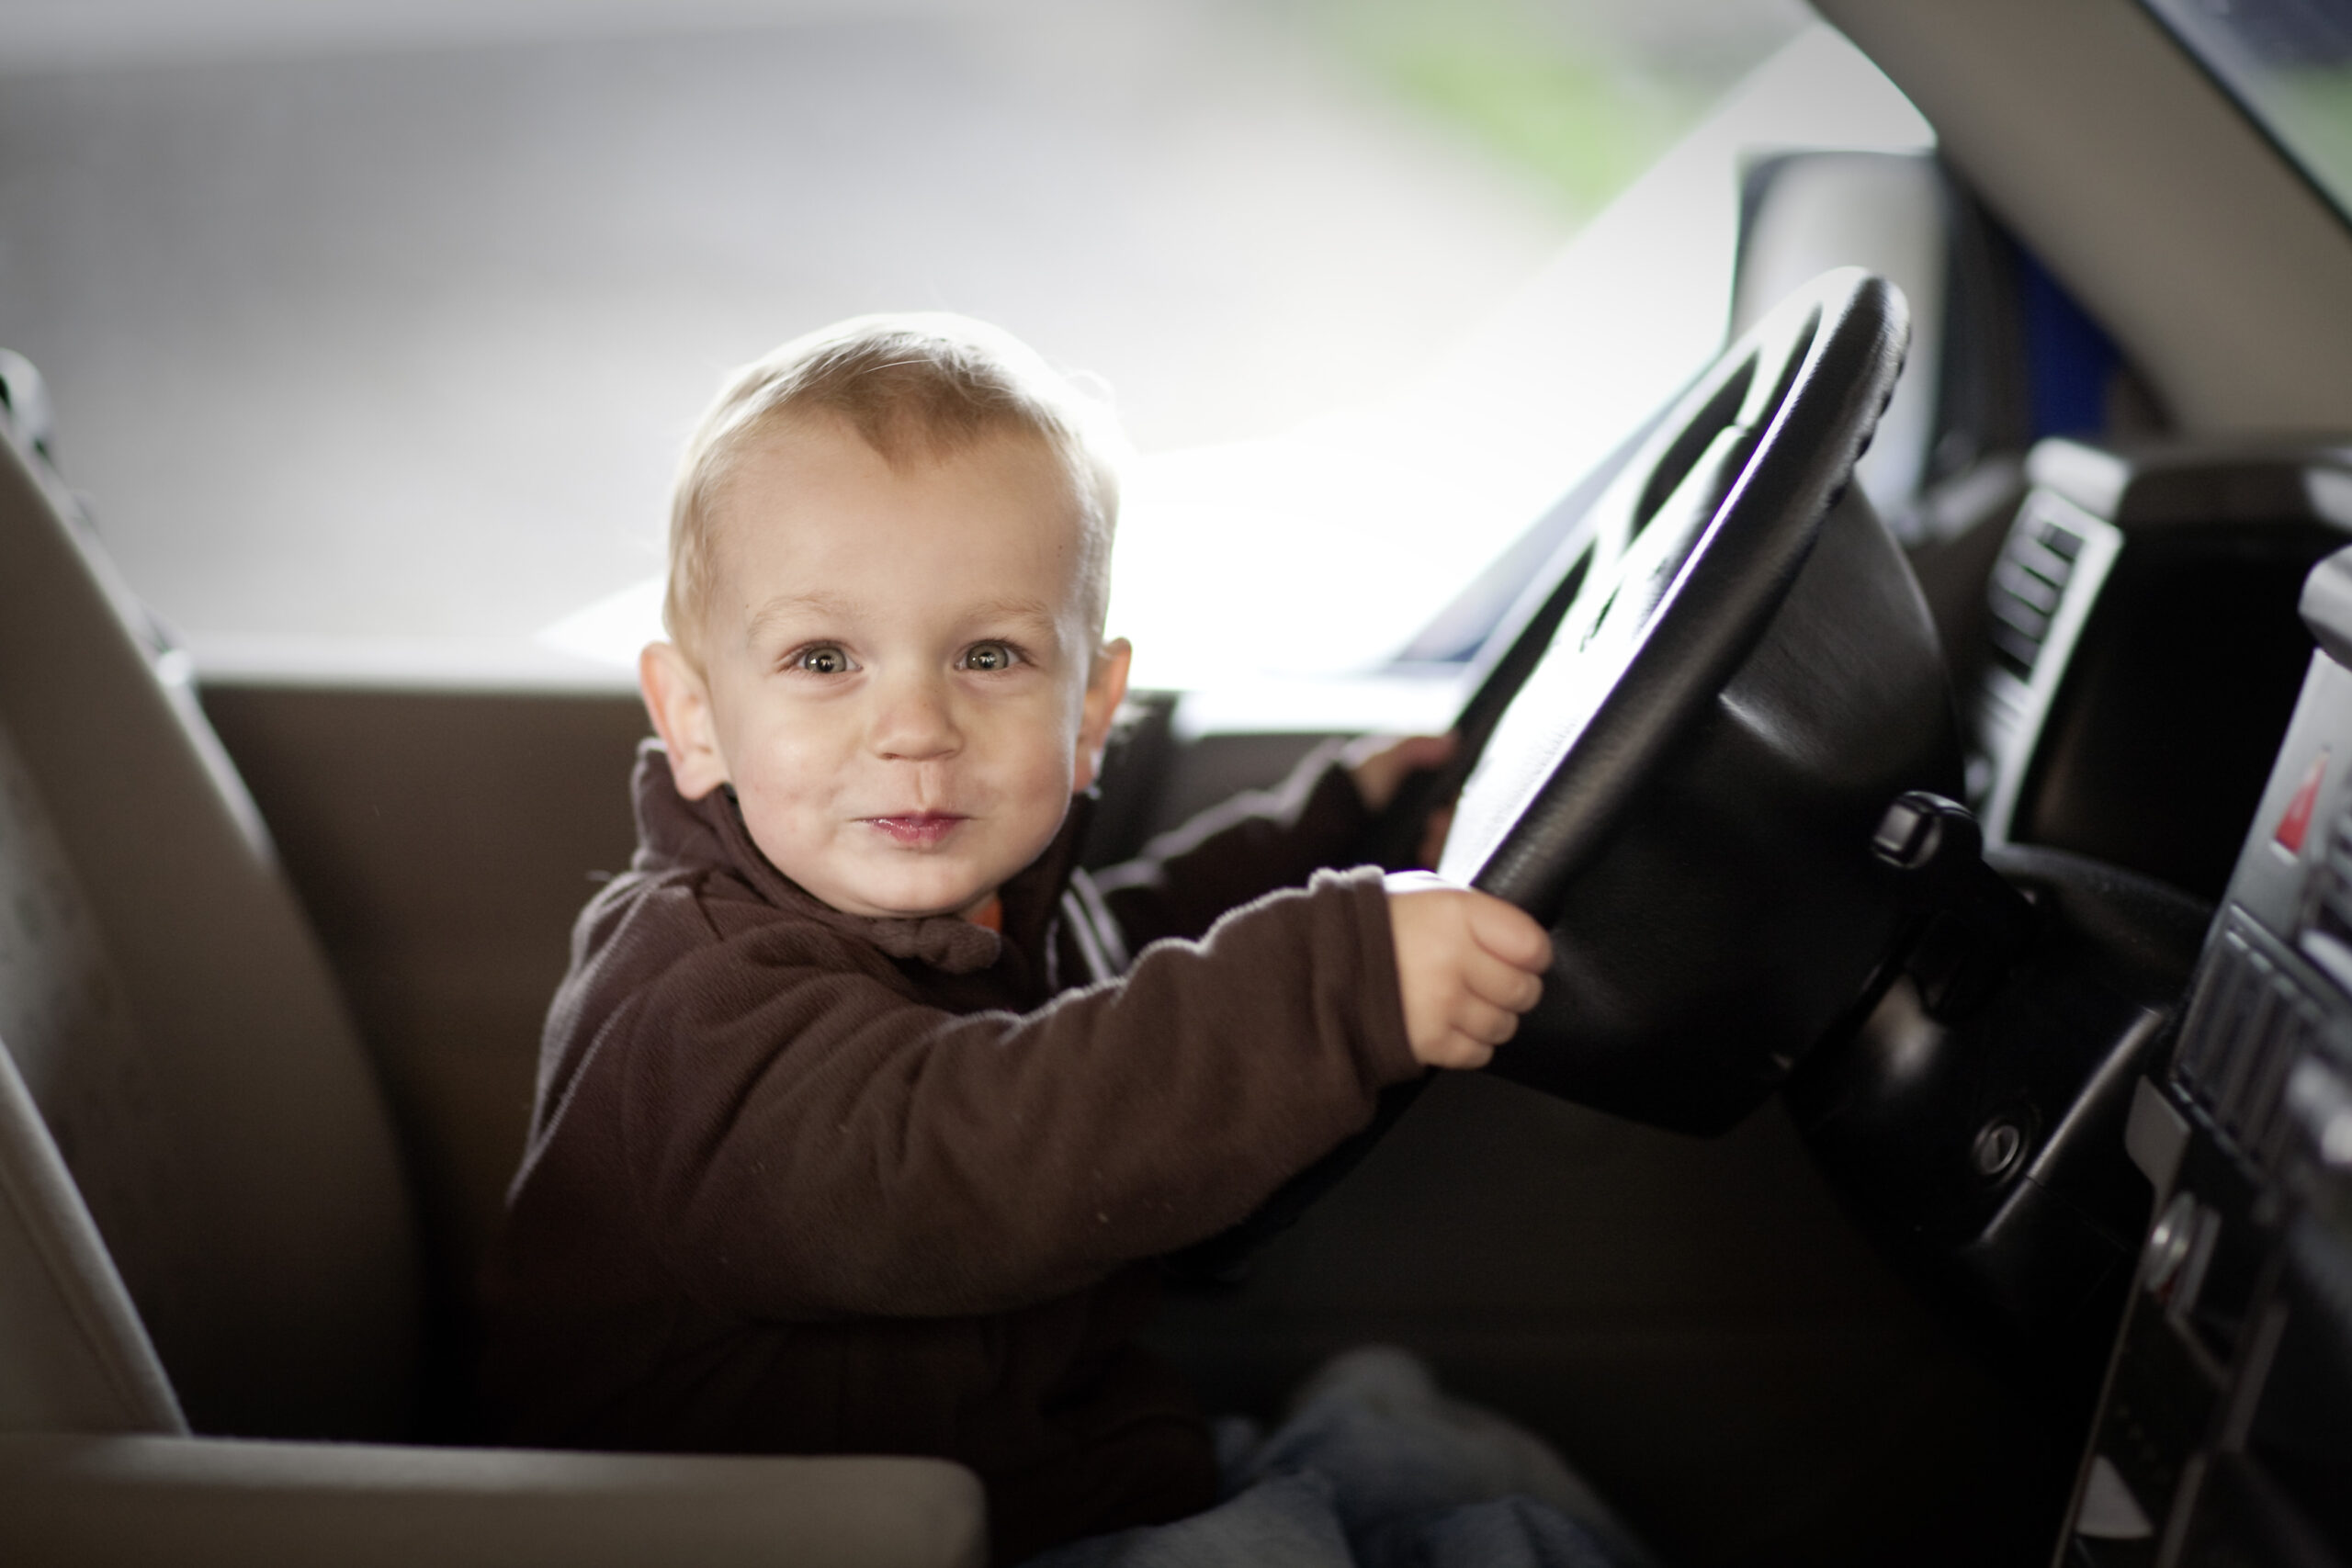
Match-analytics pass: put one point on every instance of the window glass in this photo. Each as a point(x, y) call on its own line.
point(2290, 63)
point(373, 328)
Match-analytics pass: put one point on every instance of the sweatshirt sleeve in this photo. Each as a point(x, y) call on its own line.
point(808, 1142)
point(1257, 842)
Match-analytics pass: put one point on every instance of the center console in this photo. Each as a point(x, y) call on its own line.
point(2137, 1111)
point(2225, 1435)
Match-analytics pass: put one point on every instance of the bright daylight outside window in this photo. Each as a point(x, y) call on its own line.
point(373, 326)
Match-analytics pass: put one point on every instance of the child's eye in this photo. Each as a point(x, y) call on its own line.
point(823, 660)
point(988, 658)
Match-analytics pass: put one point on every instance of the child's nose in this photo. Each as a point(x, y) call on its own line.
point(915, 721)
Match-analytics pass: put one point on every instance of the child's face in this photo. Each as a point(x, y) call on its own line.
point(899, 679)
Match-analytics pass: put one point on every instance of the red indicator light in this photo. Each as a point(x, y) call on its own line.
point(2297, 820)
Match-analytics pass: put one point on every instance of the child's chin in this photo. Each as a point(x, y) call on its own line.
point(908, 886)
point(922, 900)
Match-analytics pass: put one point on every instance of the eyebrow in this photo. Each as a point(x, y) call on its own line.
point(824, 605)
point(821, 601)
point(1034, 610)
point(785, 605)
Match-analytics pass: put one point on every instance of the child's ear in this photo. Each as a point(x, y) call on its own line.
point(1106, 688)
point(680, 705)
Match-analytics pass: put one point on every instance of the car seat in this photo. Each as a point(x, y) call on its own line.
point(209, 1282)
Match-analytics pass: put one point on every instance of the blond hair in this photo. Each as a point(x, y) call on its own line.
point(913, 386)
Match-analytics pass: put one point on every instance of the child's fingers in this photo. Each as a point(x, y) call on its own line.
point(1511, 934)
point(1418, 751)
point(1484, 1022)
point(1505, 986)
point(1379, 763)
point(1459, 1051)
point(1473, 1057)
point(1461, 997)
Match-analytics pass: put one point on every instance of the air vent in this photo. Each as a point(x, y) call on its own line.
point(2031, 579)
point(2040, 595)
point(2253, 1021)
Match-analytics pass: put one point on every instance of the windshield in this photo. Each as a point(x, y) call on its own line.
point(1328, 548)
point(373, 329)
point(2289, 62)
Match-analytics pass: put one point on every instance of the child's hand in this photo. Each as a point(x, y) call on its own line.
point(1467, 964)
point(1380, 764)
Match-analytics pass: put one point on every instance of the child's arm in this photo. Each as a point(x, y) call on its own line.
point(1262, 839)
point(808, 1142)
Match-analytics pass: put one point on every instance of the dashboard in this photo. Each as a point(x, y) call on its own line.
point(2141, 652)
point(2176, 986)
point(2227, 1417)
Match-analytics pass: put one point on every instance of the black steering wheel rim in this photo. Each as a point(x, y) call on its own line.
point(1709, 527)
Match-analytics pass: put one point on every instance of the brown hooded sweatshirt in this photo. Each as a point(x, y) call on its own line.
point(801, 1181)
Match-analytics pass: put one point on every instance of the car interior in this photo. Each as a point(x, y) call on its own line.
point(1926, 739)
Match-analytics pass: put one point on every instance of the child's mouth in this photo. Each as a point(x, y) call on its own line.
point(918, 830)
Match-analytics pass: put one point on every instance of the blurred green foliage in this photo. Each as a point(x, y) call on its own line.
point(1567, 93)
point(2312, 107)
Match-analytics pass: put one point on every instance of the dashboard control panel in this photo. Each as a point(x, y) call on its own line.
point(2142, 652)
point(2224, 1434)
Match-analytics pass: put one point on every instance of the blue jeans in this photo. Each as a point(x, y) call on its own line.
point(1378, 1468)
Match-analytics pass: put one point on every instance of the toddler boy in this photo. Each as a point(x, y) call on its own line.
point(856, 1128)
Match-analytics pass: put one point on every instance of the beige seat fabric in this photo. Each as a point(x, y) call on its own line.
point(201, 1206)
point(196, 1503)
point(175, 1024)
point(74, 1356)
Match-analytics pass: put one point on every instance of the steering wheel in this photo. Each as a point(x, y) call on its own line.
point(1684, 786)
point(1680, 758)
